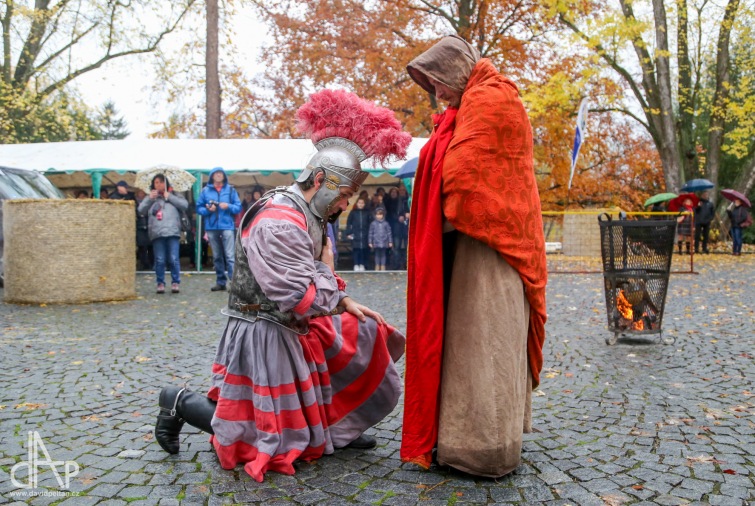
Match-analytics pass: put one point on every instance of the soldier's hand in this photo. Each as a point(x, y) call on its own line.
point(360, 311)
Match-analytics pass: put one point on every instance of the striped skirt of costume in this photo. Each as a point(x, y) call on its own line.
point(282, 396)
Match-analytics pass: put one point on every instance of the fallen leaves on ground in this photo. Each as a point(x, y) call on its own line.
point(703, 459)
point(29, 406)
point(613, 500)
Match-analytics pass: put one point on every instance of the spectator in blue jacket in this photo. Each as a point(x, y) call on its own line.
point(217, 204)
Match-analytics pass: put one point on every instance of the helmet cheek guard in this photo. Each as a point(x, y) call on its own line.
point(340, 161)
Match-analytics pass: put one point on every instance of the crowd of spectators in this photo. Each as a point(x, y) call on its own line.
point(378, 228)
point(375, 231)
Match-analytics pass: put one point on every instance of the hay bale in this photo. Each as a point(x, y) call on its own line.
point(581, 232)
point(69, 251)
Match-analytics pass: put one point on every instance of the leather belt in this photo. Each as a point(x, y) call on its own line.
point(244, 308)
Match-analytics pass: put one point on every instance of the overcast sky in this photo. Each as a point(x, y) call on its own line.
point(128, 81)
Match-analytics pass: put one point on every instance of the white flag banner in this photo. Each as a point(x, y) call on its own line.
point(579, 136)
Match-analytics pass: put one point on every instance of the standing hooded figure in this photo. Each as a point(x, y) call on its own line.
point(476, 271)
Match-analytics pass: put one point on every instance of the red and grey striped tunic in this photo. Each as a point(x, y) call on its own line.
point(283, 396)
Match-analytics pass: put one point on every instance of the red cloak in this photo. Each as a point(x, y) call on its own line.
point(424, 323)
point(489, 192)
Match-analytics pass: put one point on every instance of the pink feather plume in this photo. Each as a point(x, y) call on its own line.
point(338, 113)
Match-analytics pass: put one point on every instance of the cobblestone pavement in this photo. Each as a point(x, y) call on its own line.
point(634, 423)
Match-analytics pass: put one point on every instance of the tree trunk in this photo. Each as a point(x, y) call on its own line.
point(669, 149)
point(686, 105)
point(6, 21)
point(212, 87)
point(32, 46)
point(721, 96)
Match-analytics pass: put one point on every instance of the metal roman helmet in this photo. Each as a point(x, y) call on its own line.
point(340, 159)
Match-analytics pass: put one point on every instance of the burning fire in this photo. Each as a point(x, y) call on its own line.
point(625, 308)
point(623, 305)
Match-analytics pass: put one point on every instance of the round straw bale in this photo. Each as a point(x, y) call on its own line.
point(69, 251)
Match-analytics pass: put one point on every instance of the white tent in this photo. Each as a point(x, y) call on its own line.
point(254, 160)
point(248, 162)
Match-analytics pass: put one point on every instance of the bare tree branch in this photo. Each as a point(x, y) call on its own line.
point(109, 55)
point(624, 111)
point(624, 73)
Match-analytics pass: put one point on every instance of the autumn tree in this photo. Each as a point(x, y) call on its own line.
point(618, 164)
point(49, 44)
point(660, 52)
point(364, 46)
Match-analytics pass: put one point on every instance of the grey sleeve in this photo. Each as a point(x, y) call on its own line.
point(145, 205)
point(178, 201)
point(281, 258)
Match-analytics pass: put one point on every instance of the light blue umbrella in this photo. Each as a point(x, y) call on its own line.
point(697, 185)
point(408, 169)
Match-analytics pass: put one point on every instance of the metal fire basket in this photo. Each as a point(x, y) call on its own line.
point(636, 267)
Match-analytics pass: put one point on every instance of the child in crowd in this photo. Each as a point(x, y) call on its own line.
point(380, 238)
point(358, 230)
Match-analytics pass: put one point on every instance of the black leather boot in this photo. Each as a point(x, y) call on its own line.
point(169, 424)
point(178, 405)
point(363, 442)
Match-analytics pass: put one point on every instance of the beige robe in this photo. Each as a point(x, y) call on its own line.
point(486, 386)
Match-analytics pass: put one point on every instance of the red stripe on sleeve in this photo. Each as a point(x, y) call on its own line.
point(306, 301)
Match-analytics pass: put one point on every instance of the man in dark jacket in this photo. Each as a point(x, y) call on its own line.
point(217, 204)
point(740, 219)
point(704, 215)
point(121, 192)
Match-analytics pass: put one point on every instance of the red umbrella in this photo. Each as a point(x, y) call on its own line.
point(734, 195)
point(676, 204)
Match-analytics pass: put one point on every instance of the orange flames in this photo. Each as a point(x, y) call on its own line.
point(625, 308)
point(623, 305)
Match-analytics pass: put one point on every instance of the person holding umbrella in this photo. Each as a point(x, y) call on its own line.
point(684, 203)
point(163, 208)
point(739, 216)
point(704, 214)
point(659, 203)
